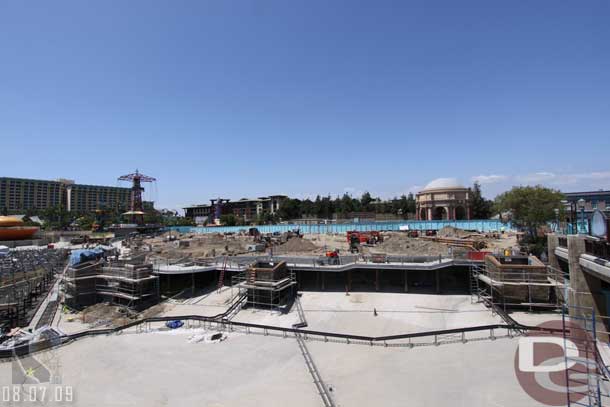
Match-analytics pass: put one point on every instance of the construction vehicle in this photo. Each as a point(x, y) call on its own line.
point(372, 237)
point(332, 256)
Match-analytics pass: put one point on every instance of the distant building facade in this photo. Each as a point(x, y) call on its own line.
point(592, 200)
point(19, 194)
point(443, 199)
point(246, 209)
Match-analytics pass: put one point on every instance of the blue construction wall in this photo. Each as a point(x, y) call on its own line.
point(479, 225)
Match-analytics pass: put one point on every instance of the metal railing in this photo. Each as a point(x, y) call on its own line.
point(220, 322)
point(598, 248)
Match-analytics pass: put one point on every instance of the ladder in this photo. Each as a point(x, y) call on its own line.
point(474, 284)
point(221, 277)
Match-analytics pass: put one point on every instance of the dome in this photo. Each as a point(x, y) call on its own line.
point(443, 183)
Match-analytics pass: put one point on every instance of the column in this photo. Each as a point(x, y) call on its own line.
point(438, 281)
point(377, 280)
point(69, 198)
point(349, 280)
point(429, 213)
point(586, 289)
point(406, 281)
point(552, 243)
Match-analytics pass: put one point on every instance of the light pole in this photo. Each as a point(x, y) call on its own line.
point(581, 205)
point(556, 210)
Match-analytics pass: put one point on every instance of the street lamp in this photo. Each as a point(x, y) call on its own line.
point(581, 205)
point(556, 210)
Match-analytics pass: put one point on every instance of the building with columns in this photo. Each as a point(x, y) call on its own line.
point(444, 199)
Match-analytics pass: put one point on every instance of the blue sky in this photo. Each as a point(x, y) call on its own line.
point(249, 98)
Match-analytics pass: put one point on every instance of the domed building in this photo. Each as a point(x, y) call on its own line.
point(444, 199)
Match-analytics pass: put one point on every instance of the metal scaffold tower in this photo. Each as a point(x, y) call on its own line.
point(503, 290)
point(587, 375)
point(267, 285)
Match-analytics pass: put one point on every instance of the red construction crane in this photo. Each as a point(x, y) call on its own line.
point(136, 211)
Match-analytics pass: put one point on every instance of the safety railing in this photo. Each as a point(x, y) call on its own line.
point(220, 322)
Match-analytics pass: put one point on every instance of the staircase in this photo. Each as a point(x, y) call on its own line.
point(221, 277)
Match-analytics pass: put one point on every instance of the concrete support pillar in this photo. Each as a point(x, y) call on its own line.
point(349, 280)
point(438, 281)
point(585, 290)
point(406, 281)
point(377, 280)
point(323, 277)
point(552, 243)
point(318, 279)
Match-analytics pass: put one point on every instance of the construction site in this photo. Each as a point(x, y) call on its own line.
point(25, 279)
point(304, 309)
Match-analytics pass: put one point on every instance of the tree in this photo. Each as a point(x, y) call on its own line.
point(530, 207)
point(228, 220)
point(290, 209)
point(56, 218)
point(365, 202)
point(481, 207)
point(85, 222)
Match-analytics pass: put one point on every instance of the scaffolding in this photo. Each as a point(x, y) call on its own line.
point(267, 285)
point(586, 373)
point(116, 282)
point(25, 276)
point(516, 282)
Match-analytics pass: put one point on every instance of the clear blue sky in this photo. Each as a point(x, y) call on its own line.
point(248, 98)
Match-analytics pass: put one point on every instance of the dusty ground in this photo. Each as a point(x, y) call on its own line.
point(102, 315)
point(209, 245)
point(395, 243)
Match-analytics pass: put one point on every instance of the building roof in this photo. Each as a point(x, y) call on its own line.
point(572, 195)
point(443, 183)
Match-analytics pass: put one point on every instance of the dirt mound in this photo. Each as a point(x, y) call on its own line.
point(399, 245)
point(450, 231)
point(296, 245)
point(104, 314)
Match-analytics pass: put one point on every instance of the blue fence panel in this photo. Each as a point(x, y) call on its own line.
point(478, 225)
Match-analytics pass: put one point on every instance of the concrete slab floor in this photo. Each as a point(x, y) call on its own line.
point(397, 313)
point(163, 368)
